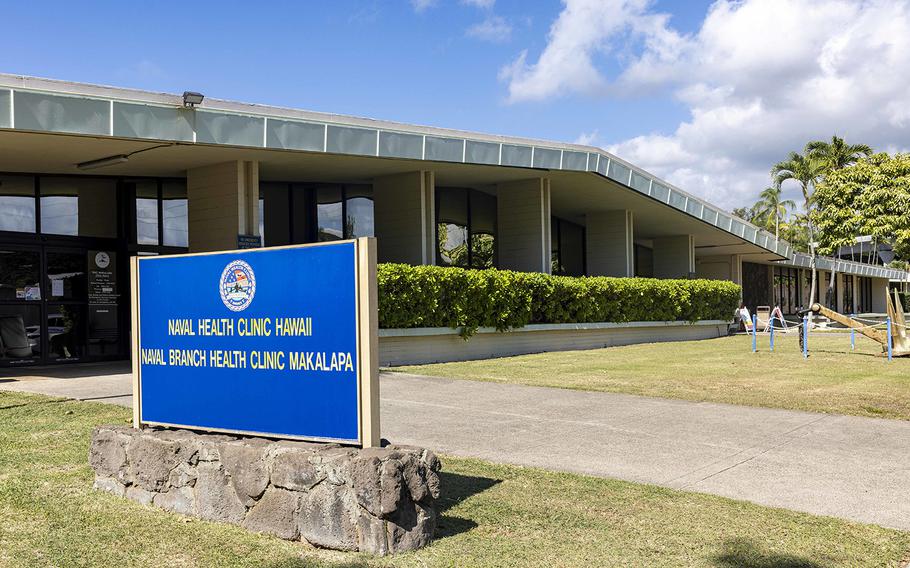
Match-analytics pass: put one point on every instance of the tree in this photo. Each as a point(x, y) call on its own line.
point(806, 172)
point(772, 208)
point(837, 154)
point(830, 157)
point(870, 197)
point(750, 214)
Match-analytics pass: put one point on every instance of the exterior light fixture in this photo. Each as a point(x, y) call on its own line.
point(102, 162)
point(191, 99)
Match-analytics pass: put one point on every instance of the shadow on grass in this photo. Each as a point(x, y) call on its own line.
point(835, 352)
point(34, 403)
point(743, 553)
point(455, 489)
point(310, 563)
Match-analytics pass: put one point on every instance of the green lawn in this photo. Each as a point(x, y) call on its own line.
point(493, 515)
point(833, 379)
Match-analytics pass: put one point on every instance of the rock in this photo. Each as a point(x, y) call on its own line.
point(216, 499)
point(411, 527)
point(326, 518)
point(275, 513)
point(377, 500)
point(107, 454)
point(365, 476)
point(292, 469)
point(152, 459)
point(391, 485)
point(415, 479)
point(177, 500)
point(372, 535)
point(182, 476)
point(110, 485)
point(140, 495)
point(244, 462)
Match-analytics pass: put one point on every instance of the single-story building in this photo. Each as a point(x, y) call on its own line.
point(91, 175)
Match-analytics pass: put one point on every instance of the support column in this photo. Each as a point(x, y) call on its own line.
point(404, 217)
point(610, 249)
point(222, 203)
point(523, 225)
point(736, 268)
point(879, 293)
point(674, 257)
point(855, 307)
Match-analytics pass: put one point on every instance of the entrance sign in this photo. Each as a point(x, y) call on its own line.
point(277, 341)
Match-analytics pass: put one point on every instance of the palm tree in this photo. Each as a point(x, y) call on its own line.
point(773, 208)
point(830, 156)
point(804, 171)
point(836, 154)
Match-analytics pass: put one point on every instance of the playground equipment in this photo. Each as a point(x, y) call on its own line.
point(894, 340)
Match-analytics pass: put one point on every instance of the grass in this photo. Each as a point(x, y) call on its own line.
point(833, 379)
point(492, 515)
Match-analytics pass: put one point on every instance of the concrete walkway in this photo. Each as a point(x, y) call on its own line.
point(849, 467)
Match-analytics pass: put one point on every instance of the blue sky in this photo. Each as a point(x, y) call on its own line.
point(497, 66)
point(383, 59)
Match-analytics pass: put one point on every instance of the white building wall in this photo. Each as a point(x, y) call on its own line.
point(879, 290)
point(674, 257)
point(609, 243)
point(718, 267)
point(222, 203)
point(523, 225)
point(404, 218)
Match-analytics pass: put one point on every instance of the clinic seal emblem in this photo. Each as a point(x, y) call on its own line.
point(237, 285)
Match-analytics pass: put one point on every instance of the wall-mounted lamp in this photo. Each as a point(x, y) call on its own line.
point(191, 99)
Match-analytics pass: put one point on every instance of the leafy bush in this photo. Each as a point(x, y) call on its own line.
point(434, 296)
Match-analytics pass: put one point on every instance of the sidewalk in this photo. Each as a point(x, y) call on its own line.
point(848, 467)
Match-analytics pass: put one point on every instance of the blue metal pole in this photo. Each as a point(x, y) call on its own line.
point(805, 337)
point(852, 335)
point(754, 331)
point(889, 339)
point(771, 323)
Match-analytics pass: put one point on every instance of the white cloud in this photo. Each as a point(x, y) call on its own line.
point(759, 78)
point(485, 4)
point(495, 29)
point(588, 138)
point(421, 5)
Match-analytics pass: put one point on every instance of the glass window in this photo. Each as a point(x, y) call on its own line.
point(20, 333)
point(359, 211)
point(482, 229)
point(848, 294)
point(17, 204)
point(76, 206)
point(329, 214)
point(147, 213)
point(66, 277)
point(20, 275)
point(568, 248)
point(273, 213)
point(452, 227)
point(175, 225)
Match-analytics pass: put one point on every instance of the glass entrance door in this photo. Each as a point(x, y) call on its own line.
point(66, 300)
point(21, 306)
point(58, 305)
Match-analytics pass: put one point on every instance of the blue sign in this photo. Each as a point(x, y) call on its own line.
point(261, 342)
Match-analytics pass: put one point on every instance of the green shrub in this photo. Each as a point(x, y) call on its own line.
point(434, 296)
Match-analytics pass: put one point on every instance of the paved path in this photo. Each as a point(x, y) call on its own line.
point(849, 467)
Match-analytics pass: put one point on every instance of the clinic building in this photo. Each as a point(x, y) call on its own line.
point(91, 175)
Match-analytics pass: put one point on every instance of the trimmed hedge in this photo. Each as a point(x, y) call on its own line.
point(434, 296)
